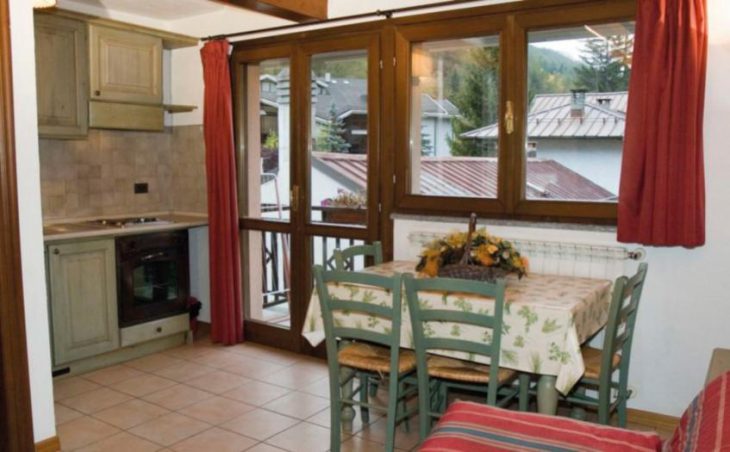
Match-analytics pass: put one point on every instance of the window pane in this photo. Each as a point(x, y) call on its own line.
point(339, 134)
point(454, 99)
point(265, 173)
point(268, 264)
point(578, 81)
point(323, 252)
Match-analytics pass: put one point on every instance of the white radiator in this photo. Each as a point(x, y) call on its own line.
point(564, 258)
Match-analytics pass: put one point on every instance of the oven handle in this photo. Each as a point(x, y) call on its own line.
point(149, 257)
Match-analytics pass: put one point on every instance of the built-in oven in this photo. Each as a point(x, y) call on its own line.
point(153, 276)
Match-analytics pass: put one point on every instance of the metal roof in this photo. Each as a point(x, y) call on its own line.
point(471, 177)
point(550, 117)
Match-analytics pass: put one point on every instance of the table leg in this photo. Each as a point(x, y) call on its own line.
point(547, 395)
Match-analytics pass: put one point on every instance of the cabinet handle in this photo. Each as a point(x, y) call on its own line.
point(56, 251)
point(97, 93)
point(159, 329)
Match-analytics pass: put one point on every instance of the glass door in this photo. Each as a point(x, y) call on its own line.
point(306, 117)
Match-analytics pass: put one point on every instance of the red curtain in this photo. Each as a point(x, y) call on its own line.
point(662, 193)
point(225, 264)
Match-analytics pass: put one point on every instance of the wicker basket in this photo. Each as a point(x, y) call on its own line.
point(465, 270)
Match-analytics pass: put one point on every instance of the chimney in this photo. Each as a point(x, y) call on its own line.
point(578, 103)
point(604, 102)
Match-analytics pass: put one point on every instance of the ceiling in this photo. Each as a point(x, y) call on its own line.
point(157, 9)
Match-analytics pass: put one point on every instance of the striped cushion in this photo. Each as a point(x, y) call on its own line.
point(472, 427)
point(705, 425)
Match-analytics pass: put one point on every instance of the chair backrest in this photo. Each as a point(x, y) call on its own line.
point(346, 303)
point(422, 313)
point(344, 259)
point(621, 323)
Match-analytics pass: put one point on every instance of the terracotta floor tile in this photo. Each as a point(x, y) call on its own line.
point(96, 400)
point(403, 440)
point(302, 437)
point(65, 414)
point(111, 375)
point(169, 429)
point(143, 385)
point(83, 431)
point(154, 362)
point(186, 352)
point(263, 447)
point(320, 388)
point(294, 378)
point(256, 393)
point(274, 355)
point(215, 439)
point(252, 368)
point(259, 424)
point(323, 419)
point(129, 414)
point(217, 410)
point(177, 396)
point(183, 372)
point(357, 444)
point(72, 386)
point(218, 382)
point(217, 358)
point(298, 405)
point(121, 442)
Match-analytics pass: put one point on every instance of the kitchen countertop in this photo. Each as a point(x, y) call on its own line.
point(82, 228)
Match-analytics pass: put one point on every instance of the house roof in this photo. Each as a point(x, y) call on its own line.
point(471, 177)
point(550, 117)
point(349, 95)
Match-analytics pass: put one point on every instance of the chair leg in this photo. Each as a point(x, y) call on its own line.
point(524, 402)
point(443, 397)
point(374, 387)
point(364, 391)
point(403, 406)
point(391, 413)
point(335, 408)
point(579, 412)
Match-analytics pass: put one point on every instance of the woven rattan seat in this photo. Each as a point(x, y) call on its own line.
point(592, 361)
point(374, 358)
point(456, 369)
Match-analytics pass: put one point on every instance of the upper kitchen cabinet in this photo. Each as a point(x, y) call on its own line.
point(125, 66)
point(62, 76)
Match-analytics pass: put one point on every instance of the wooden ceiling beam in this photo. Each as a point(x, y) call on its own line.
point(295, 10)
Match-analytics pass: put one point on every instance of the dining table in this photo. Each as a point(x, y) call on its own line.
point(546, 320)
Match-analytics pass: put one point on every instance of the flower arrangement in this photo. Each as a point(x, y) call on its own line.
point(347, 199)
point(486, 250)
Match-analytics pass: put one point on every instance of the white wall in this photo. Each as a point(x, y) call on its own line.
point(31, 220)
point(597, 159)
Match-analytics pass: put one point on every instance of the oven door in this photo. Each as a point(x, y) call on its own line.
point(153, 276)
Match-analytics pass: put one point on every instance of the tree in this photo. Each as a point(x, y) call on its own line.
point(332, 134)
point(476, 97)
point(605, 65)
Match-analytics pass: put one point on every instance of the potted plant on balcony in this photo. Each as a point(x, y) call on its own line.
point(345, 208)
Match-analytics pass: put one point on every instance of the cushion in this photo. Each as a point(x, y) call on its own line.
point(374, 358)
point(466, 371)
point(468, 426)
point(705, 425)
point(592, 361)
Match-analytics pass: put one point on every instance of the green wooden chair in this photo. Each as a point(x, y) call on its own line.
point(344, 259)
point(354, 352)
point(614, 357)
point(438, 374)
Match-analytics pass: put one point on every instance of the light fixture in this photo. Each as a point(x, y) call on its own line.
point(42, 4)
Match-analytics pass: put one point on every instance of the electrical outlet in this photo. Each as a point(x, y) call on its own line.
point(634, 391)
point(141, 187)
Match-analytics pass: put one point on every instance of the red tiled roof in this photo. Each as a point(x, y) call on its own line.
point(475, 177)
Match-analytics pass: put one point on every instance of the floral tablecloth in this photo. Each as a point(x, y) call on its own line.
point(546, 319)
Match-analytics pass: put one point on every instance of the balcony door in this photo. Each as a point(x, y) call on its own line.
point(306, 123)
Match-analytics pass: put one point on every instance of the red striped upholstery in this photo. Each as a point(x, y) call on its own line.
point(472, 427)
point(705, 425)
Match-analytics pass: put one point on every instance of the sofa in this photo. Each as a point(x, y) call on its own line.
point(468, 426)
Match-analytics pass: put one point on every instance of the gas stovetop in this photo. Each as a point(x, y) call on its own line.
point(129, 222)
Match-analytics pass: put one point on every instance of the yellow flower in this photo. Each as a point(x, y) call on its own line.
point(491, 249)
point(432, 266)
point(484, 256)
point(525, 264)
point(456, 240)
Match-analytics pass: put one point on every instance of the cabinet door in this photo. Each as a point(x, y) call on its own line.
point(62, 76)
point(125, 66)
point(83, 299)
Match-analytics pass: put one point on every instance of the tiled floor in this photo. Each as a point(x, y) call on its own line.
point(208, 398)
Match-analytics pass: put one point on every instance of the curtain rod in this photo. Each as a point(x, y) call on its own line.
point(387, 14)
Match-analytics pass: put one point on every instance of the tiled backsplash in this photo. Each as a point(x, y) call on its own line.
point(96, 176)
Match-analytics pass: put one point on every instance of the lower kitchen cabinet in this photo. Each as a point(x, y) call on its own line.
point(83, 299)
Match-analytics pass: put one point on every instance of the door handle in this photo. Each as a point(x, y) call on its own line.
point(153, 256)
point(509, 118)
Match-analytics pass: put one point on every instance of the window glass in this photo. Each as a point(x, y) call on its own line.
point(578, 82)
point(455, 89)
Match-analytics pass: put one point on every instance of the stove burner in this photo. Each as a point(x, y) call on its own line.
point(124, 222)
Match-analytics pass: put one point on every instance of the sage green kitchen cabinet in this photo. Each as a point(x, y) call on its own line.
point(62, 76)
point(125, 66)
point(83, 299)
